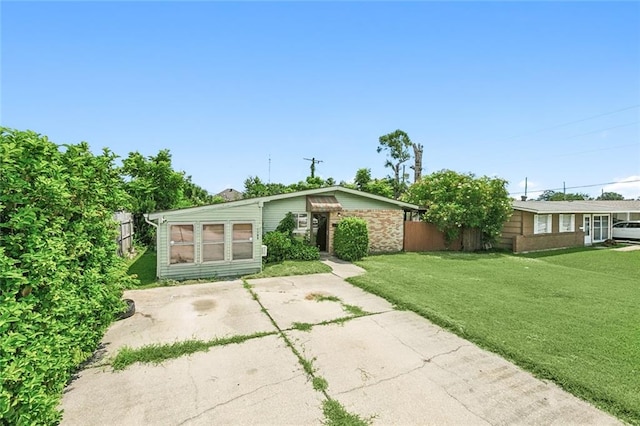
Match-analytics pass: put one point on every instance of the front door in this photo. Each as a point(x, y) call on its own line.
point(320, 230)
point(600, 228)
point(586, 227)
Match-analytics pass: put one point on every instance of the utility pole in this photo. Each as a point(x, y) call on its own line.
point(313, 165)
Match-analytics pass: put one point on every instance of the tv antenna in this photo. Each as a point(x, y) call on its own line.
point(313, 165)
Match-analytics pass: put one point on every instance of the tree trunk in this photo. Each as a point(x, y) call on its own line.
point(417, 155)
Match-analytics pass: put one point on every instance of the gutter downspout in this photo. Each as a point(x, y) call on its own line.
point(146, 219)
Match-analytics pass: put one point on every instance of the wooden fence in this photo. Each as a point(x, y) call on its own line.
point(423, 236)
point(125, 235)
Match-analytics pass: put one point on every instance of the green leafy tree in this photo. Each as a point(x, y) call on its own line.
point(382, 187)
point(610, 196)
point(454, 201)
point(154, 185)
point(396, 145)
point(550, 195)
point(60, 278)
point(254, 187)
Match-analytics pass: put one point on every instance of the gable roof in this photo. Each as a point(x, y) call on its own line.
point(579, 206)
point(261, 200)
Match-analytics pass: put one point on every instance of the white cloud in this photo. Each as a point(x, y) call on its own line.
point(628, 187)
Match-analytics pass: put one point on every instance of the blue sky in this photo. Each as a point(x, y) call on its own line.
point(544, 90)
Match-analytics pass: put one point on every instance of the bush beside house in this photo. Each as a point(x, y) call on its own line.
point(60, 277)
point(283, 245)
point(351, 239)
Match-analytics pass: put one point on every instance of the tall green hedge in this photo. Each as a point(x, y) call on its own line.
point(60, 279)
point(351, 239)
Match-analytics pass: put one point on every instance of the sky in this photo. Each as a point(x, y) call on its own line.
point(543, 91)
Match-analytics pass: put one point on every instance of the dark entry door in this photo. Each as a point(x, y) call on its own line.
point(320, 230)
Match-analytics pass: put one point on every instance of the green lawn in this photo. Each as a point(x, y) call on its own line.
point(569, 316)
point(292, 267)
point(144, 267)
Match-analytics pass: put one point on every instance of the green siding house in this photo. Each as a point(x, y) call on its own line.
point(226, 239)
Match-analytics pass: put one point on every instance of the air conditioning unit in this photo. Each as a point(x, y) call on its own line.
point(264, 250)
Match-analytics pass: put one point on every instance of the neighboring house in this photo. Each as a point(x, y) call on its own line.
point(230, 194)
point(226, 239)
point(545, 225)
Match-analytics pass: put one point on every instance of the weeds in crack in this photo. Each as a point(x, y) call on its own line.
point(157, 353)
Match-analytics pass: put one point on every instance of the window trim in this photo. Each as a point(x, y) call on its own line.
point(169, 245)
point(572, 222)
point(298, 229)
point(203, 243)
point(536, 231)
point(252, 240)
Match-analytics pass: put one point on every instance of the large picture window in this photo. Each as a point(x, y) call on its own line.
point(181, 249)
point(242, 247)
point(542, 224)
point(212, 242)
point(567, 223)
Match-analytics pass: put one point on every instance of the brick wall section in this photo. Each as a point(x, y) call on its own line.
point(386, 228)
point(524, 243)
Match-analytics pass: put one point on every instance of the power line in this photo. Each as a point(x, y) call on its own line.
point(576, 187)
point(602, 130)
point(573, 122)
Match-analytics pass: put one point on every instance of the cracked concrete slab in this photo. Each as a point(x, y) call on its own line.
point(201, 311)
point(256, 382)
point(393, 367)
point(398, 368)
point(290, 299)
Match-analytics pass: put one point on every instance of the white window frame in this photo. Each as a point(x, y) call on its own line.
point(536, 218)
point(203, 243)
point(572, 223)
point(297, 217)
point(171, 244)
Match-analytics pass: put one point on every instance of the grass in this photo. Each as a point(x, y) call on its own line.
point(291, 267)
point(144, 266)
point(336, 415)
point(155, 354)
point(569, 316)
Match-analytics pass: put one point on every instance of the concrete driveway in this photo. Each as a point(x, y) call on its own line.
point(387, 366)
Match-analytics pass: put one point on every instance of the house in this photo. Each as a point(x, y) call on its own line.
point(226, 239)
point(545, 225)
point(230, 194)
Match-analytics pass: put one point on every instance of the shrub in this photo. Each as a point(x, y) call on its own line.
point(278, 246)
point(302, 251)
point(60, 277)
point(351, 239)
point(287, 225)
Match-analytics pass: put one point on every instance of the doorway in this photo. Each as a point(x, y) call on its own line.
point(586, 227)
point(320, 230)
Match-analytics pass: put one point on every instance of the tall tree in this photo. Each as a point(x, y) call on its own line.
point(418, 149)
point(397, 145)
point(611, 196)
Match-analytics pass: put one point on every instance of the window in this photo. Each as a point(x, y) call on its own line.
point(212, 242)
point(542, 224)
point(302, 222)
point(567, 223)
point(181, 246)
point(242, 247)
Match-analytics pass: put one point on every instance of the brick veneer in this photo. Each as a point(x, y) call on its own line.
point(386, 228)
point(525, 243)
